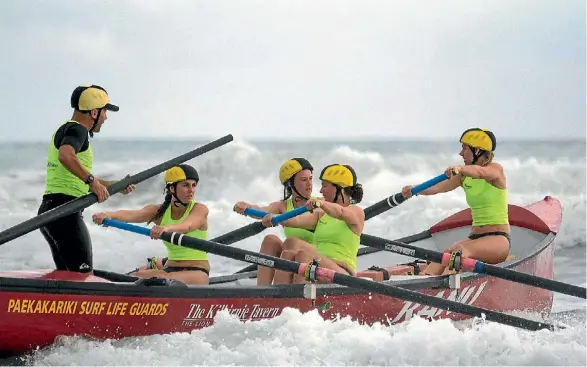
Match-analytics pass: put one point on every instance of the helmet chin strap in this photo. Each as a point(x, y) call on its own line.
point(477, 153)
point(293, 187)
point(95, 122)
point(176, 202)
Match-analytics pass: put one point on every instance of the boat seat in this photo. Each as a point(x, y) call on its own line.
point(379, 274)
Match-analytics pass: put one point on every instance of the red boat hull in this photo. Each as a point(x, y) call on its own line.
point(36, 307)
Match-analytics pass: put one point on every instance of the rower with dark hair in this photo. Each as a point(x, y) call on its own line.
point(296, 177)
point(178, 213)
point(337, 224)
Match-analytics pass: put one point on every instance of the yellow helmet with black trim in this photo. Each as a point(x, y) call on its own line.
point(479, 138)
point(341, 175)
point(180, 173)
point(291, 167)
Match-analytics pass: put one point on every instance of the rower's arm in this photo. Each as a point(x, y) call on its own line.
point(105, 182)
point(490, 172)
point(195, 220)
point(135, 216)
point(353, 216)
point(305, 221)
point(276, 207)
point(445, 186)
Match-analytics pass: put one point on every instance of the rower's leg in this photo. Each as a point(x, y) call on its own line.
point(273, 246)
point(492, 249)
point(307, 255)
point(439, 269)
point(195, 277)
point(291, 246)
point(284, 277)
point(295, 244)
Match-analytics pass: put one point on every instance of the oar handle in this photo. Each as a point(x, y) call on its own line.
point(278, 218)
point(126, 226)
point(428, 184)
point(252, 212)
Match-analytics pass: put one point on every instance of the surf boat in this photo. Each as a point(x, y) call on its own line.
point(36, 307)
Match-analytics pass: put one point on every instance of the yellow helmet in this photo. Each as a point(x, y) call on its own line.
point(479, 138)
point(340, 175)
point(291, 167)
point(180, 173)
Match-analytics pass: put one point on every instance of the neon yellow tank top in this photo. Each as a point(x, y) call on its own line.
point(489, 205)
point(175, 252)
point(59, 179)
point(301, 233)
point(335, 239)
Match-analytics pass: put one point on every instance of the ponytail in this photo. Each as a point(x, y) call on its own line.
point(286, 191)
point(355, 193)
point(163, 207)
point(489, 156)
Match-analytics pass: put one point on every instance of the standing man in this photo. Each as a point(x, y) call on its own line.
point(69, 176)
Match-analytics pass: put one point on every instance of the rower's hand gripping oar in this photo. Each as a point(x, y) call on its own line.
point(472, 265)
point(91, 198)
point(330, 276)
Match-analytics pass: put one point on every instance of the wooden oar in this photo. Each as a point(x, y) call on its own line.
point(91, 198)
point(473, 265)
point(329, 276)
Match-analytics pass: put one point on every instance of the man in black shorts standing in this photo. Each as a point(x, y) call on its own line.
point(69, 176)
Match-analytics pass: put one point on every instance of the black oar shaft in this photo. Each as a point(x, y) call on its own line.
point(240, 234)
point(504, 273)
point(91, 198)
point(384, 205)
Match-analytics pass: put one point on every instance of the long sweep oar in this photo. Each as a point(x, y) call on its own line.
point(329, 276)
point(473, 265)
point(370, 212)
point(91, 198)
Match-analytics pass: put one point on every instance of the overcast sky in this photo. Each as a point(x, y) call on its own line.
point(297, 68)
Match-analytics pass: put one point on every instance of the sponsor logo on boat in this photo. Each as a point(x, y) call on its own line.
point(203, 315)
point(467, 295)
point(259, 260)
point(35, 306)
point(400, 249)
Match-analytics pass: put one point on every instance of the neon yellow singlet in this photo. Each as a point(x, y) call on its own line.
point(175, 252)
point(301, 233)
point(59, 179)
point(489, 205)
point(334, 238)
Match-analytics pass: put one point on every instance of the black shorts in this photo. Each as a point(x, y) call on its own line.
point(67, 236)
point(498, 233)
point(173, 269)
